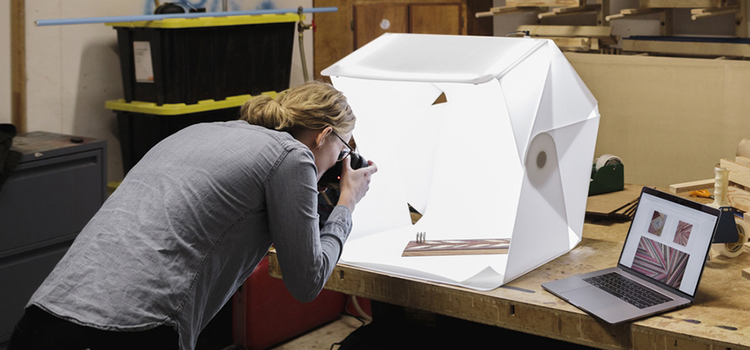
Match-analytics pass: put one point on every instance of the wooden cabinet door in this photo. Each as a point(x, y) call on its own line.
point(372, 20)
point(333, 38)
point(435, 18)
point(357, 22)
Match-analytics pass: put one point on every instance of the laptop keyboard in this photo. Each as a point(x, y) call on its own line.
point(632, 292)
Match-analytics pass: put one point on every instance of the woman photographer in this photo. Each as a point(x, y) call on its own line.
point(193, 218)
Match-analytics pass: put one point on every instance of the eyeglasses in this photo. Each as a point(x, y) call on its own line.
point(346, 152)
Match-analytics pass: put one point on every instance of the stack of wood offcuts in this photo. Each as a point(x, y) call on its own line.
point(737, 193)
point(738, 190)
point(599, 38)
point(567, 37)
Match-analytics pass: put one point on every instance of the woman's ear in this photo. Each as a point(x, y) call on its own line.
point(320, 138)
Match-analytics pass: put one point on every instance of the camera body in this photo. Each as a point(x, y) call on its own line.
point(330, 180)
point(333, 175)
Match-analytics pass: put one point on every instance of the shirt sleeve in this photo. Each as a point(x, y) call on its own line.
point(307, 254)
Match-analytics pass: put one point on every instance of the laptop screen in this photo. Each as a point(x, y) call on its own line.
point(669, 239)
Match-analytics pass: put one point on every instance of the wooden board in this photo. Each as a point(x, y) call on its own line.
point(738, 198)
point(738, 173)
point(564, 11)
point(583, 31)
point(601, 33)
point(680, 3)
point(692, 186)
point(503, 10)
point(687, 48)
point(457, 247)
point(639, 11)
point(550, 3)
point(617, 205)
point(746, 273)
point(714, 11)
point(576, 44)
point(18, 64)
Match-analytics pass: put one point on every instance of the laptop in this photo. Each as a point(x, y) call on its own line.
point(662, 261)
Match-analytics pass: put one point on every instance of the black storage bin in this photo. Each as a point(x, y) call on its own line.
point(143, 124)
point(210, 58)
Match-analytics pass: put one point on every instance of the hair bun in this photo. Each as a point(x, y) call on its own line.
point(313, 105)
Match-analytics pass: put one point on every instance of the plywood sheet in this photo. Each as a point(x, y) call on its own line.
point(614, 205)
point(690, 114)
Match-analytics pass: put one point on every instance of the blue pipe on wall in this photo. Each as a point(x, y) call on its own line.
point(115, 19)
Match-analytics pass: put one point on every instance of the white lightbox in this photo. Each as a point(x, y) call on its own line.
point(487, 137)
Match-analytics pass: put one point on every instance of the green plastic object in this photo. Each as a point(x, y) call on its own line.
point(609, 178)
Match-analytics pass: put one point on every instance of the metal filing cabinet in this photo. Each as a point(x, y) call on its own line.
point(56, 188)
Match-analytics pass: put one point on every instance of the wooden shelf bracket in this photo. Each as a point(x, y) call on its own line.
point(633, 12)
point(714, 11)
point(562, 11)
point(504, 10)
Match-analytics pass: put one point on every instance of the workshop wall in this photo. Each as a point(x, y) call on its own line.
point(639, 25)
point(669, 119)
point(73, 69)
point(5, 61)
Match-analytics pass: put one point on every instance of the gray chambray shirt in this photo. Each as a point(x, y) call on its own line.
point(188, 225)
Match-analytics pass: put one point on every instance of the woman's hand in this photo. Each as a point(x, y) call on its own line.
point(354, 183)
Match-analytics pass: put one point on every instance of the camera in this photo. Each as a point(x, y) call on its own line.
point(330, 180)
point(332, 177)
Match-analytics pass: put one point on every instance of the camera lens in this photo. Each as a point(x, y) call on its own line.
point(333, 175)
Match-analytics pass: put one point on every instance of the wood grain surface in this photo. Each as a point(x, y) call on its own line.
point(457, 247)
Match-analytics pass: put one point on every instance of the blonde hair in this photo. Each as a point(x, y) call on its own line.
point(313, 105)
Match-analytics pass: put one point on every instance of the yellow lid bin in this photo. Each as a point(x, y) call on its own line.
point(141, 125)
point(186, 60)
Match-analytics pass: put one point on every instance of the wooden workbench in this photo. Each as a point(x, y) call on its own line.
point(719, 319)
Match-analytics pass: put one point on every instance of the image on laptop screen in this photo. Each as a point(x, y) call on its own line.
point(668, 242)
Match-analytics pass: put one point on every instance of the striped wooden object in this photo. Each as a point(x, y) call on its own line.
point(457, 247)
